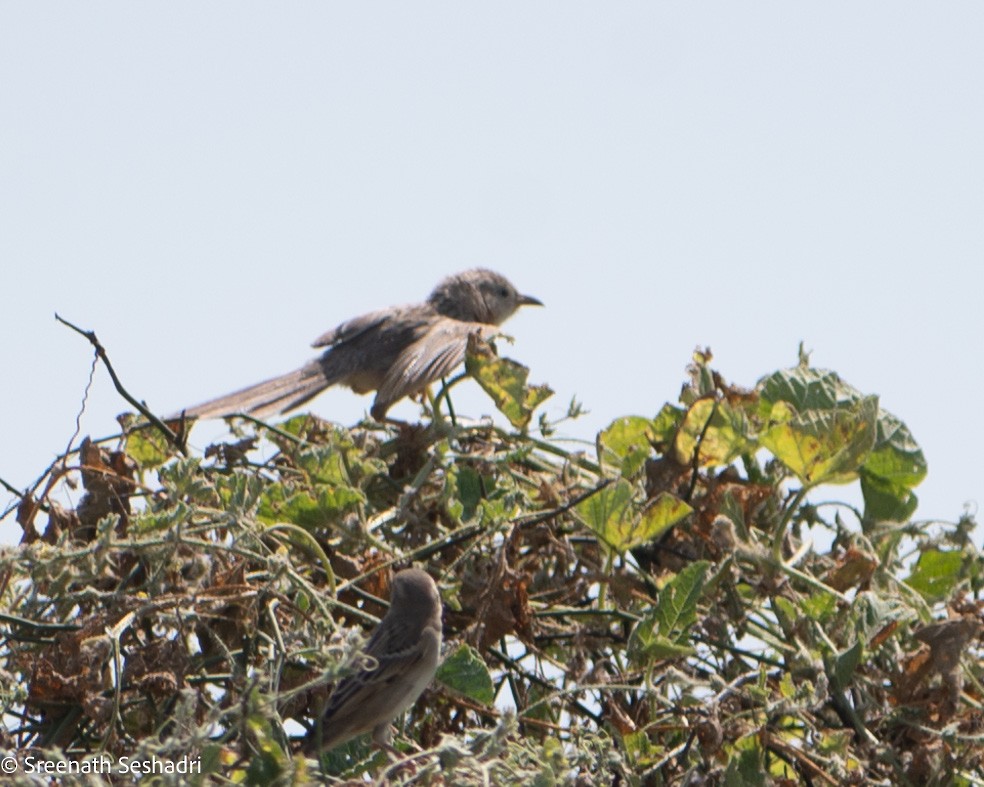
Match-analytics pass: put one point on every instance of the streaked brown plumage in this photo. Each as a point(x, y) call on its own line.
point(405, 649)
point(396, 352)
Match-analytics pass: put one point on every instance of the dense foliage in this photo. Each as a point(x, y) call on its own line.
point(673, 605)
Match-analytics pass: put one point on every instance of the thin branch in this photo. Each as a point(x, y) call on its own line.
point(695, 463)
point(545, 516)
point(531, 677)
point(172, 438)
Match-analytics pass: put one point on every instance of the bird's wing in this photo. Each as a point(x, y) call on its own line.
point(433, 356)
point(357, 326)
point(373, 696)
point(390, 666)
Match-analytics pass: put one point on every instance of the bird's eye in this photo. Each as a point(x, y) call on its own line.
point(504, 293)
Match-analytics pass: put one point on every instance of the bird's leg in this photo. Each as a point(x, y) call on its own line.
point(427, 398)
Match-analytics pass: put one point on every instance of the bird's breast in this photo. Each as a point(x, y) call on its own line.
point(364, 381)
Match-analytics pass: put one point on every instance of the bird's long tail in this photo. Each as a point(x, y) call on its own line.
point(273, 396)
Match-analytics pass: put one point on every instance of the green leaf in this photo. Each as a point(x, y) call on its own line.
point(937, 573)
point(640, 749)
point(469, 489)
point(805, 388)
point(323, 465)
point(746, 766)
point(269, 759)
point(621, 523)
point(896, 456)
point(896, 465)
point(327, 488)
point(656, 647)
point(240, 494)
point(505, 381)
point(787, 687)
point(720, 430)
point(325, 507)
point(341, 462)
point(677, 606)
point(786, 612)
point(844, 666)
point(625, 444)
point(806, 410)
point(300, 425)
point(465, 673)
point(885, 501)
point(665, 632)
point(833, 743)
point(822, 446)
point(609, 512)
point(552, 762)
point(665, 425)
point(211, 758)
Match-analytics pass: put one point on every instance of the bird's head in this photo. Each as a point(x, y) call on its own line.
point(479, 295)
point(414, 595)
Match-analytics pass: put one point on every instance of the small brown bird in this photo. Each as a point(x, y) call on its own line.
point(396, 352)
point(404, 648)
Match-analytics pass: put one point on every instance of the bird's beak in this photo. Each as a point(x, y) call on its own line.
point(529, 300)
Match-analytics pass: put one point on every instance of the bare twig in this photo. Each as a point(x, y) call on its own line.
point(172, 438)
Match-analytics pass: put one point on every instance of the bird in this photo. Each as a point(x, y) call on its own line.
point(404, 650)
point(396, 352)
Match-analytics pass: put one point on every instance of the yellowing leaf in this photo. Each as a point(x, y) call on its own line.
point(625, 444)
point(623, 523)
point(505, 381)
point(718, 428)
point(148, 447)
point(822, 446)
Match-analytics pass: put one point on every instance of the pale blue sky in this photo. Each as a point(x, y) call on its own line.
point(210, 186)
